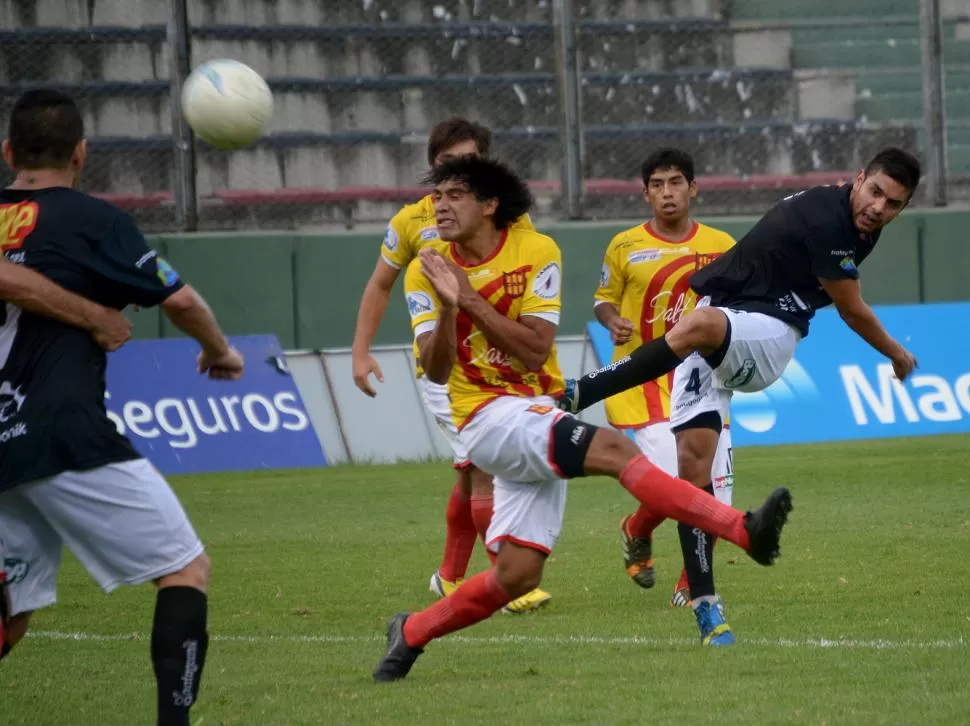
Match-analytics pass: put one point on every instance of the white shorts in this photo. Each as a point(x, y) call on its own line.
point(659, 445)
point(435, 397)
point(511, 439)
point(761, 348)
point(122, 521)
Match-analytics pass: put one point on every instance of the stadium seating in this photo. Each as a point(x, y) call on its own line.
point(357, 85)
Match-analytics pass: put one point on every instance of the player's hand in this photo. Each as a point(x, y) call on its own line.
point(903, 364)
point(225, 366)
point(362, 368)
point(621, 330)
point(110, 329)
point(441, 276)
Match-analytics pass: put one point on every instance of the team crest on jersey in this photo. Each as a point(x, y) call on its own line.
point(514, 282)
point(539, 409)
point(16, 222)
point(703, 260)
point(429, 233)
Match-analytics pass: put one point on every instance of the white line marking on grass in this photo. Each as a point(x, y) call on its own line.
point(806, 643)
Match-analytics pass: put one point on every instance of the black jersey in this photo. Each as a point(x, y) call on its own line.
point(52, 376)
point(775, 268)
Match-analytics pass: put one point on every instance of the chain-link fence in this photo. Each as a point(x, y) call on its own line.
point(766, 96)
point(113, 58)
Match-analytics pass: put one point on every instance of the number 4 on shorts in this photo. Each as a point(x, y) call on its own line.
point(694, 382)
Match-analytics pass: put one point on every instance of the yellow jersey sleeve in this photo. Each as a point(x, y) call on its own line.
point(543, 291)
point(612, 283)
point(423, 302)
point(398, 246)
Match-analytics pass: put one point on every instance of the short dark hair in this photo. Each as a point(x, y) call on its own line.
point(454, 131)
point(45, 128)
point(898, 165)
point(488, 179)
point(668, 158)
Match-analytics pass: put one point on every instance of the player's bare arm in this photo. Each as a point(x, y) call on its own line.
point(373, 304)
point(190, 313)
point(847, 297)
point(528, 339)
point(621, 329)
point(33, 292)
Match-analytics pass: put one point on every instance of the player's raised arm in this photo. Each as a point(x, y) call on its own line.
point(431, 290)
point(34, 293)
point(847, 297)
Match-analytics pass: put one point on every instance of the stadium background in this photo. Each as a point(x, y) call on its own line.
point(769, 98)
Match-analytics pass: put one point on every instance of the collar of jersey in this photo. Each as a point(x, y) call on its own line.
point(648, 228)
point(498, 248)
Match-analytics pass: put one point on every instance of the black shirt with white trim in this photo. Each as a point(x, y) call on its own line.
point(775, 268)
point(52, 376)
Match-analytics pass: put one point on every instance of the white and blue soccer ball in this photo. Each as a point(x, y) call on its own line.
point(226, 103)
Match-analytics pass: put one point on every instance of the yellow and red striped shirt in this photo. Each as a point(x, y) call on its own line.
point(647, 278)
point(523, 277)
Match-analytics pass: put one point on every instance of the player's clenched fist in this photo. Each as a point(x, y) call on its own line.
point(621, 330)
point(226, 365)
point(903, 364)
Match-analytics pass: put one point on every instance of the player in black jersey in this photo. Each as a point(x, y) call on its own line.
point(756, 301)
point(65, 471)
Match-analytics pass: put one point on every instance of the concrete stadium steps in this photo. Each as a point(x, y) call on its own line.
point(142, 165)
point(797, 9)
point(394, 102)
point(908, 106)
point(75, 13)
point(888, 53)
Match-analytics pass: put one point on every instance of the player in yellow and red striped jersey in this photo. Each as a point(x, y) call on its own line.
point(469, 508)
point(485, 310)
point(644, 290)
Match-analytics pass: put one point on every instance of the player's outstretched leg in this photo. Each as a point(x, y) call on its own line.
point(517, 571)
point(180, 640)
point(610, 453)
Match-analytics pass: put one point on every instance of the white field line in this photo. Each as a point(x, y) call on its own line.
point(534, 640)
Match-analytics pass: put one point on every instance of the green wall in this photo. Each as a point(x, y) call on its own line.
point(305, 287)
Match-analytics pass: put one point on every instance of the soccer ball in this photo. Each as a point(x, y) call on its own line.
point(226, 103)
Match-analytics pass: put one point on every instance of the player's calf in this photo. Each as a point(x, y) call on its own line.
point(180, 640)
point(605, 451)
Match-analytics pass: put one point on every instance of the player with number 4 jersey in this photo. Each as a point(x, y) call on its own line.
point(644, 291)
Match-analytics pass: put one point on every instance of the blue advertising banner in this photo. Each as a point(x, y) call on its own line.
point(183, 422)
point(838, 388)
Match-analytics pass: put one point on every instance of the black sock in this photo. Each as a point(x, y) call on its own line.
point(698, 548)
point(646, 363)
point(179, 644)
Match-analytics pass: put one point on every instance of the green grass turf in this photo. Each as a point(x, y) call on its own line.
point(865, 619)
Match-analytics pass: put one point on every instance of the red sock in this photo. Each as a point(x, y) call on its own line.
point(677, 499)
point(482, 505)
point(643, 522)
point(471, 603)
point(459, 536)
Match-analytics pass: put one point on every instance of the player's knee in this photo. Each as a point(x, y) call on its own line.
point(196, 575)
point(518, 569)
point(697, 447)
point(703, 329)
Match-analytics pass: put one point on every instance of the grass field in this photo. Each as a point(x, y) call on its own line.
point(865, 619)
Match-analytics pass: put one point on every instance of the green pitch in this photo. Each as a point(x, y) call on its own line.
point(865, 619)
